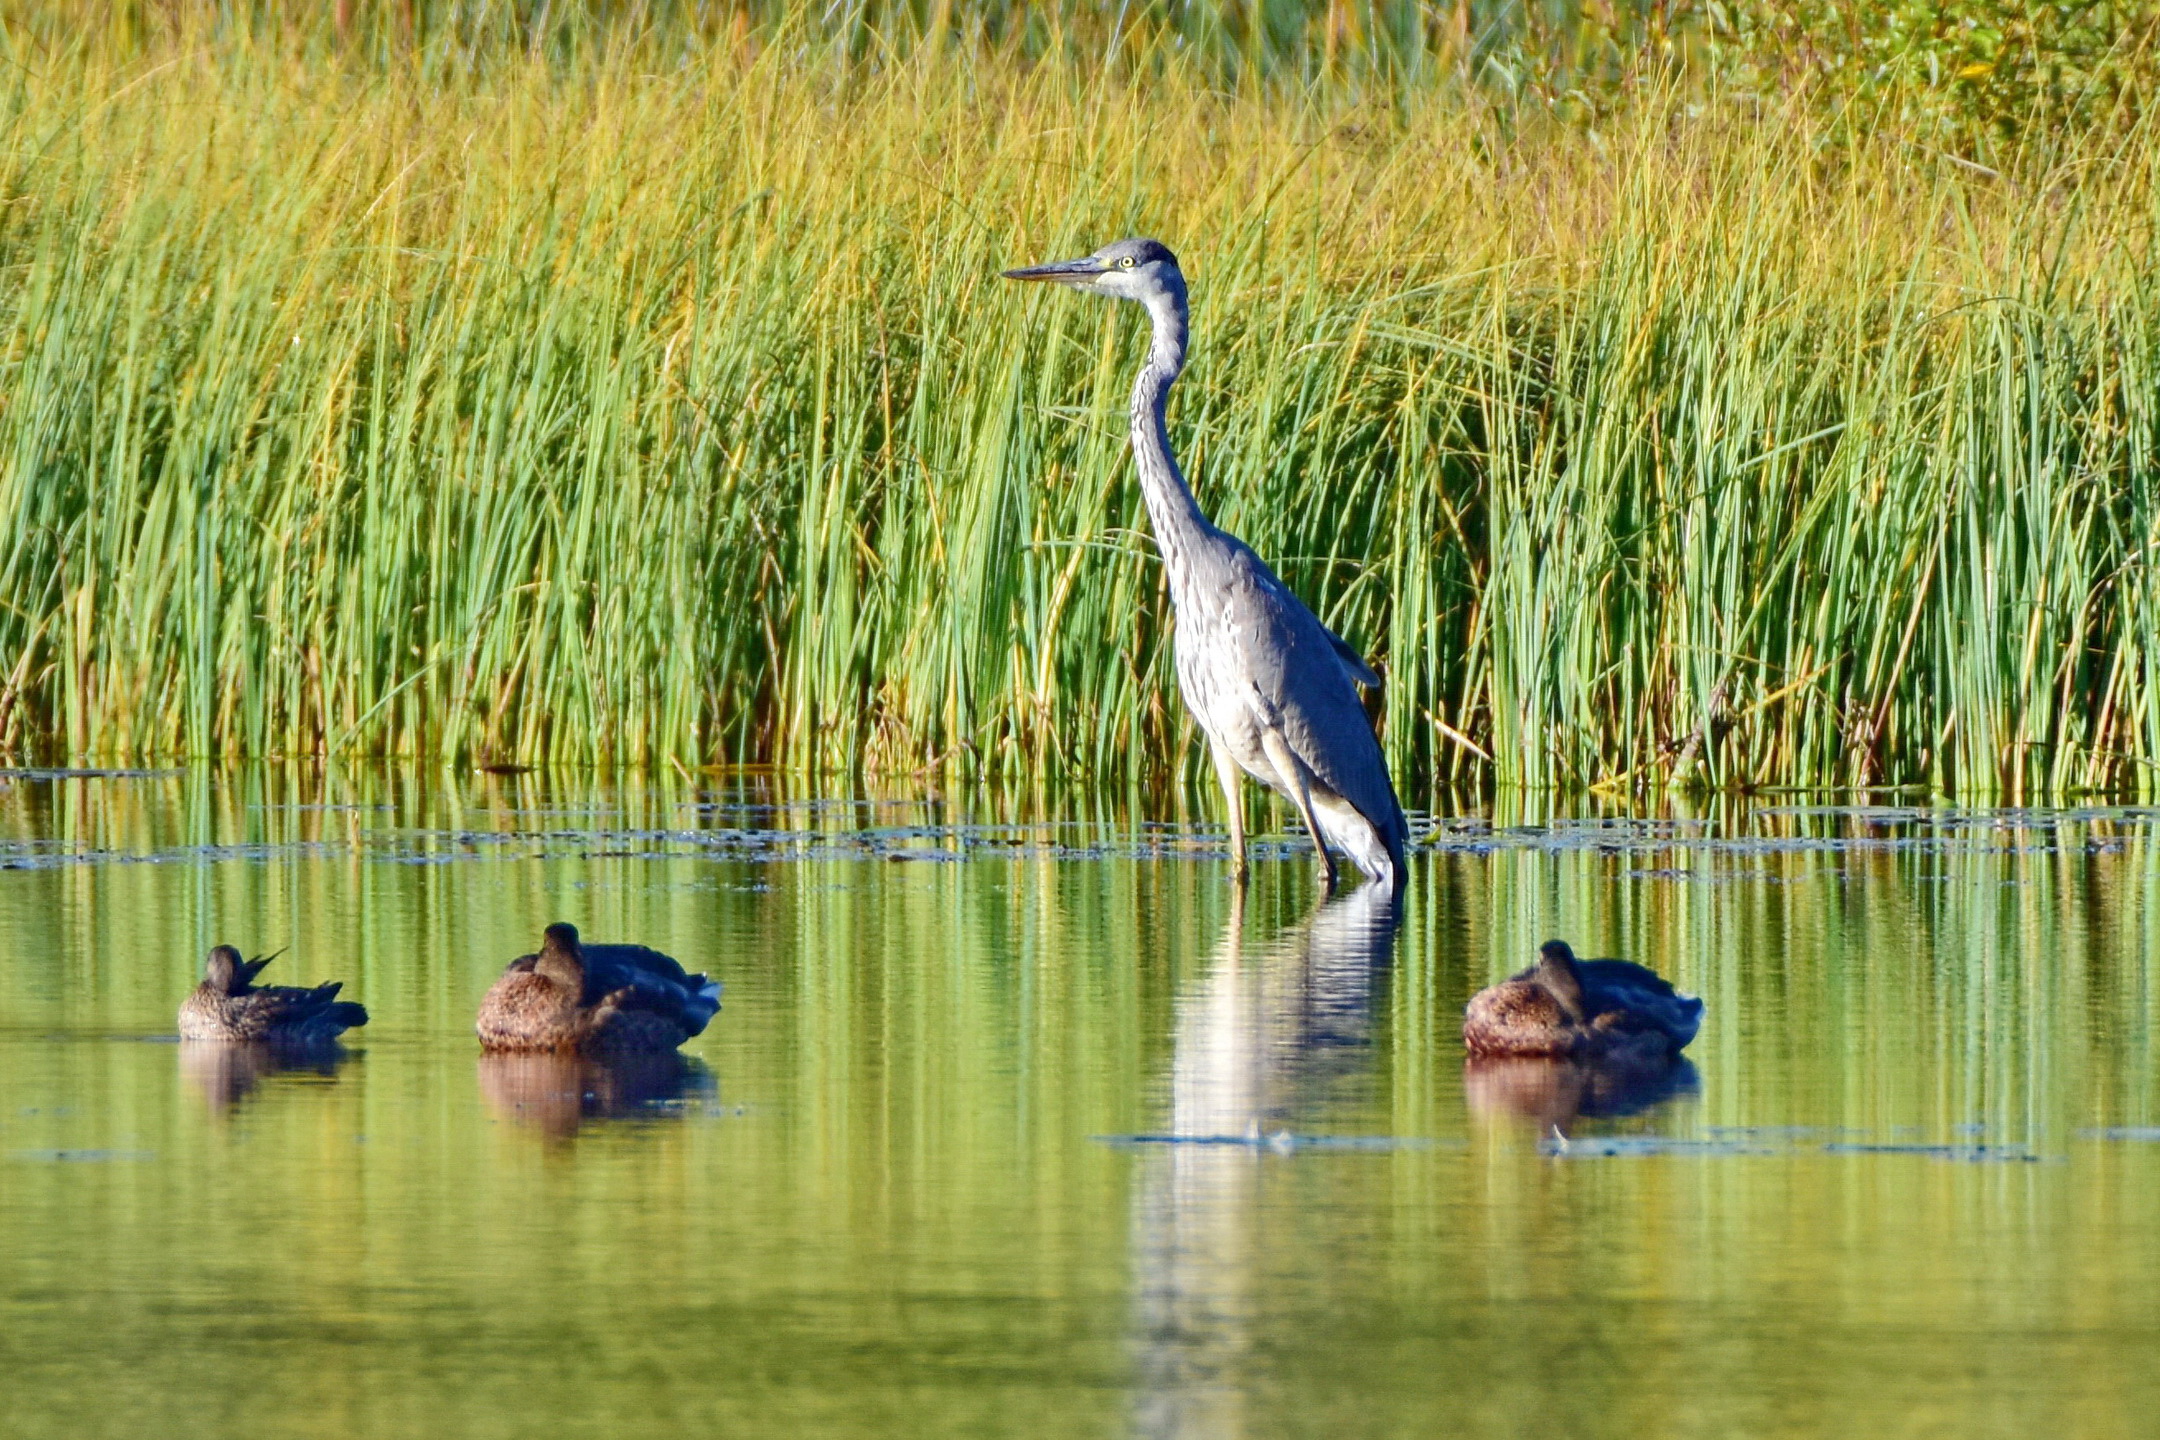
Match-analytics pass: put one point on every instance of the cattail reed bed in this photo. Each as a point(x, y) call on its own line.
point(662, 408)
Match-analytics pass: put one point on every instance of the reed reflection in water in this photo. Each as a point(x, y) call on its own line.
point(1918, 1192)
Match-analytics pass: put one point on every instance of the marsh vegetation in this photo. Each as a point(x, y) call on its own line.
point(1654, 402)
point(969, 1140)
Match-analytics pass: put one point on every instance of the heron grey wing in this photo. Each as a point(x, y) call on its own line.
point(1352, 661)
point(1292, 667)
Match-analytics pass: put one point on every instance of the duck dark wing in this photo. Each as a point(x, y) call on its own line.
point(1599, 976)
point(641, 959)
point(278, 1007)
point(655, 981)
point(1648, 997)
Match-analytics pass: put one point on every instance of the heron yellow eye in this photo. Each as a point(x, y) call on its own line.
point(1125, 262)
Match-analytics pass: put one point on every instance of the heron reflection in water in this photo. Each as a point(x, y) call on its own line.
point(1263, 1040)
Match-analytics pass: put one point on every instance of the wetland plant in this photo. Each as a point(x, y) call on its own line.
point(645, 395)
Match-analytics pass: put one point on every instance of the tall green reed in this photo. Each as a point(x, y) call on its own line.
point(659, 405)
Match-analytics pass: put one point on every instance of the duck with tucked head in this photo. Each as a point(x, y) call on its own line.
point(597, 1000)
point(229, 1005)
point(1564, 1008)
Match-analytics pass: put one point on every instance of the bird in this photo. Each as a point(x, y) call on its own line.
point(1274, 690)
point(228, 1005)
point(1564, 1008)
point(599, 1000)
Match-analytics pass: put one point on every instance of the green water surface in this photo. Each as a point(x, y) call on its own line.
point(913, 1180)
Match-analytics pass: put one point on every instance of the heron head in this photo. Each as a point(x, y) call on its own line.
point(1127, 269)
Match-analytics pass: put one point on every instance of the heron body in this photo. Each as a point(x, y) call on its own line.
point(1273, 689)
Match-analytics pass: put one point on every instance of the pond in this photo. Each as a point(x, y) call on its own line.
point(1018, 1122)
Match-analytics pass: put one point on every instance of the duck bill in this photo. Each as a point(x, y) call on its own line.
point(1064, 272)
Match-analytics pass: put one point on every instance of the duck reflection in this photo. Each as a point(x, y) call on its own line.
point(557, 1094)
point(1261, 1039)
point(227, 1071)
point(1556, 1093)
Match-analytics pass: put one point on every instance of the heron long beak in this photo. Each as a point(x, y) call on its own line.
point(1065, 272)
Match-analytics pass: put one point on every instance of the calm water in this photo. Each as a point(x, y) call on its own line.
point(910, 1181)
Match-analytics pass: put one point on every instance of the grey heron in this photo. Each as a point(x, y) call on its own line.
point(1273, 689)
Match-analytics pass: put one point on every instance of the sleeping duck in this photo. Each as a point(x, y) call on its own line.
point(1581, 1009)
point(228, 1005)
point(594, 1000)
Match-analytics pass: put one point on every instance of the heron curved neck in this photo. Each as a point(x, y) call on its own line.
point(1172, 510)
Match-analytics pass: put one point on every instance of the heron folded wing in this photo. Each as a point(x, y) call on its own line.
point(1293, 667)
point(1353, 662)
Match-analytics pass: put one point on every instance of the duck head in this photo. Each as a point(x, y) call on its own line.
point(1556, 975)
point(223, 972)
point(560, 958)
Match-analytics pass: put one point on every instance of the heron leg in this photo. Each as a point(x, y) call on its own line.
point(1229, 776)
point(1292, 772)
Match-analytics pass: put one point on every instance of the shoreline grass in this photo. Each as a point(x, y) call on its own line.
point(664, 409)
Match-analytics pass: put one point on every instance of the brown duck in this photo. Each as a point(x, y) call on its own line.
point(594, 1000)
point(229, 1005)
point(1562, 1007)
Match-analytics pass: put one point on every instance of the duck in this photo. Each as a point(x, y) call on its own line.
point(1564, 1008)
point(600, 1000)
point(229, 1005)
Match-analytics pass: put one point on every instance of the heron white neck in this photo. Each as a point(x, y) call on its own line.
point(1172, 510)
